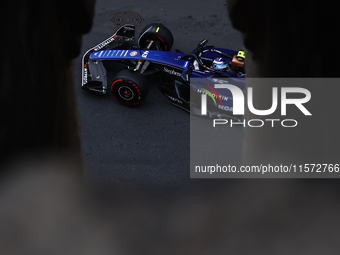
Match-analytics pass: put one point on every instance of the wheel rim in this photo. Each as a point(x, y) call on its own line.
point(125, 93)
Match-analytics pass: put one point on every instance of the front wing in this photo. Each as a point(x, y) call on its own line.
point(93, 72)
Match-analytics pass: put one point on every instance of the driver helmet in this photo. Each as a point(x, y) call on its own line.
point(220, 63)
point(240, 55)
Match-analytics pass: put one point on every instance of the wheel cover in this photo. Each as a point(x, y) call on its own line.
point(125, 93)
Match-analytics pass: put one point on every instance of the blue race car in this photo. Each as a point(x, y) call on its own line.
point(183, 77)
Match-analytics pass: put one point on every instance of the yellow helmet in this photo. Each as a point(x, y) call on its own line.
point(240, 55)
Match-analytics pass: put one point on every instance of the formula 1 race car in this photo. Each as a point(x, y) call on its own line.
point(184, 77)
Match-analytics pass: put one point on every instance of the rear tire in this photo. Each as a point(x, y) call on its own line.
point(158, 33)
point(129, 88)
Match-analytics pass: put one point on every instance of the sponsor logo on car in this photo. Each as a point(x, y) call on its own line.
point(145, 54)
point(175, 99)
point(187, 78)
point(134, 53)
point(85, 76)
point(219, 80)
point(172, 72)
point(103, 44)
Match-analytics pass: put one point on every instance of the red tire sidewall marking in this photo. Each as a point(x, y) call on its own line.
point(160, 38)
point(139, 93)
point(113, 83)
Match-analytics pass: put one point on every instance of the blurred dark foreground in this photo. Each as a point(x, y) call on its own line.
point(44, 209)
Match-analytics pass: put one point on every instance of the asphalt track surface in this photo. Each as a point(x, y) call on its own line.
point(149, 145)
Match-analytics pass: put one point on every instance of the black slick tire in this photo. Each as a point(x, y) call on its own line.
point(129, 88)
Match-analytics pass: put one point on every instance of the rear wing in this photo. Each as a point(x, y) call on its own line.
point(94, 72)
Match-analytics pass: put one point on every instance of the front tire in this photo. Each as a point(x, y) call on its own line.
point(129, 88)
